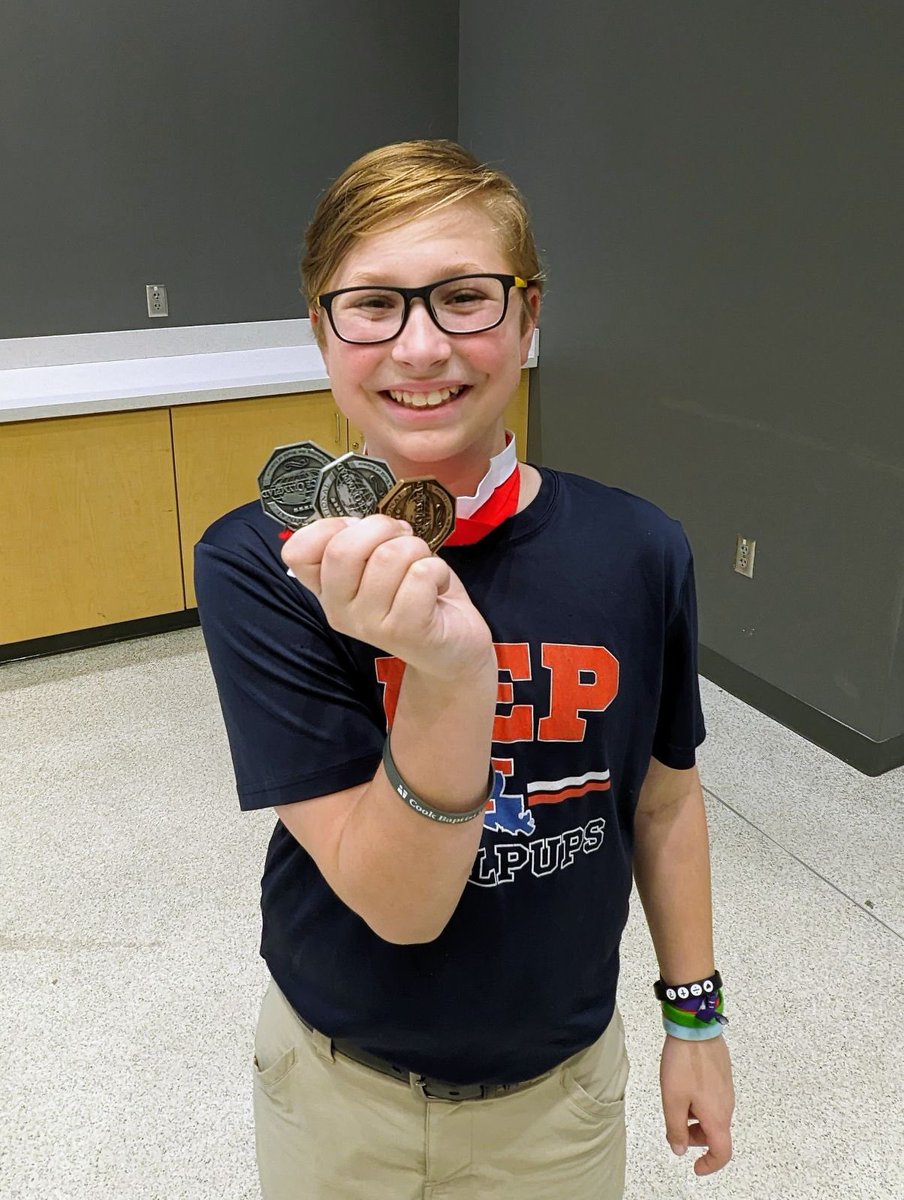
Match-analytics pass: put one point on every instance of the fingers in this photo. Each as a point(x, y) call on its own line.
point(382, 585)
point(303, 552)
point(675, 1111)
point(719, 1142)
point(374, 580)
point(335, 551)
point(384, 575)
point(415, 597)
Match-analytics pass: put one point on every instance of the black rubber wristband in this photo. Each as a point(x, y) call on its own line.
point(681, 991)
point(415, 802)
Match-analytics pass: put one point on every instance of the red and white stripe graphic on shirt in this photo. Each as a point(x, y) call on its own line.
point(554, 792)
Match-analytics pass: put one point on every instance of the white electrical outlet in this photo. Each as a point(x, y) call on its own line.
point(158, 306)
point(744, 555)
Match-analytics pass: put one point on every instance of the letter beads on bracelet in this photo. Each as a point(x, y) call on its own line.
point(692, 1011)
point(415, 802)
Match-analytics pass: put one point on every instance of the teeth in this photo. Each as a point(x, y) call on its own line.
point(425, 399)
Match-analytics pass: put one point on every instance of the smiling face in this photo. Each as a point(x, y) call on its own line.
point(381, 388)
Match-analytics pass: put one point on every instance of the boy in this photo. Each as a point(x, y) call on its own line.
point(442, 909)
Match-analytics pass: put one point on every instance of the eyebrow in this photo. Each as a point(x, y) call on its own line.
point(447, 272)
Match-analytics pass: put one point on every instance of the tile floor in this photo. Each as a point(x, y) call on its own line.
point(130, 980)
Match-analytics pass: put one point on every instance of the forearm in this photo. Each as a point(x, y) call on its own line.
point(672, 872)
point(407, 872)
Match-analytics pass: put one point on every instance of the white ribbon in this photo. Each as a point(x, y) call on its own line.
point(501, 467)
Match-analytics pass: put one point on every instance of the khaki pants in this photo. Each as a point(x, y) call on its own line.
point(328, 1128)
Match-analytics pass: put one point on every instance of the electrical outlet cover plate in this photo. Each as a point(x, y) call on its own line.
point(158, 305)
point(744, 555)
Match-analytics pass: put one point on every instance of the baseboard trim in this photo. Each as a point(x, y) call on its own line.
point(869, 757)
point(82, 639)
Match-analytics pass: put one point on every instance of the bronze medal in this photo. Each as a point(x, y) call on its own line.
point(427, 506)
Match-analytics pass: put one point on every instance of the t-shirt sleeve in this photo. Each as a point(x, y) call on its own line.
point(680, 728)
point(300, 717)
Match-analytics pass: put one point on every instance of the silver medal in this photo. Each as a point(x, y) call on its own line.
point(288, 483)
point(352, 486)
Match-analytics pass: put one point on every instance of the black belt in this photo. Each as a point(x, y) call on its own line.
point(427, 1087)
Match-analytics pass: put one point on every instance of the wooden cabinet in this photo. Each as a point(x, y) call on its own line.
point(100, 513)
point(89, 524)
point(516, 415)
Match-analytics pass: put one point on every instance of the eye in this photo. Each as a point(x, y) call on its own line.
point(367, 304)
point(374, 301)
point(459, 295)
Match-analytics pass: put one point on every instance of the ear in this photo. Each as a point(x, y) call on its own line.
point(318, 329)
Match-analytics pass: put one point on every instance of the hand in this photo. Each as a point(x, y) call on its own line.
point(698, 1099)
point(379, 583)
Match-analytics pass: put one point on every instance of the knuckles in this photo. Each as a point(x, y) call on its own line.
point(396, 550)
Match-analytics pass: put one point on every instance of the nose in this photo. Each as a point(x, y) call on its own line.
point(421, 342)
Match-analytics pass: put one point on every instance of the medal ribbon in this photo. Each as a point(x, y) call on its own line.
point(495, 500)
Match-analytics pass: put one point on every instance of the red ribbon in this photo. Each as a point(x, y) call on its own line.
point(501, 505)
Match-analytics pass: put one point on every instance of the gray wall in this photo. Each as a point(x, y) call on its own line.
point(717, 192)
point(186, 144)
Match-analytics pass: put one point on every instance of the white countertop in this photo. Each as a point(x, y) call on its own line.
point(159, 368)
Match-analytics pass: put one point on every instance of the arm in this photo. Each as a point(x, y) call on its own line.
point(672, 872)
point(401, 872)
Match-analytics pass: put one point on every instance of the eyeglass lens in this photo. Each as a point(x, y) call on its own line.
point(370, 314)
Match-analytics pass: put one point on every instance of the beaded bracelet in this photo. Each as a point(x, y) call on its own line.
point(692, 1011)
point(683, 991)
point(414, 801)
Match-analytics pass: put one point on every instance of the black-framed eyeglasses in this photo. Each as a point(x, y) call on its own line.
point(461, 304)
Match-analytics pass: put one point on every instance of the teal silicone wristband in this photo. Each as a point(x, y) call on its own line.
point(702, 1033)
point(414, 801)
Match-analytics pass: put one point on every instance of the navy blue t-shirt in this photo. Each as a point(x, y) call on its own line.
point(589, 594)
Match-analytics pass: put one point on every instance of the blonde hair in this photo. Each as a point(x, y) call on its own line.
point(386, 186)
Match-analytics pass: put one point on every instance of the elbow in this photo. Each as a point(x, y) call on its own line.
point(404, 936)
point(404, 933)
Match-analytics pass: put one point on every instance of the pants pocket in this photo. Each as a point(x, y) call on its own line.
point(594, 1081)
point(275, 1042)
point(595, 1107)
point(270, 1075)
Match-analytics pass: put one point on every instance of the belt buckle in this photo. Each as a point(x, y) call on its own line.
point(421, 1083)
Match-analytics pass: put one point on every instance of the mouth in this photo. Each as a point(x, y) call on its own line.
point(426, 399)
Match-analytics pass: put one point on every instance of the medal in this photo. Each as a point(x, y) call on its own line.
point(427, 506)
point(352, 486)
point(302, 482)
point(288, 483)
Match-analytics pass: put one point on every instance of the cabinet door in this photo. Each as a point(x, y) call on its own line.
point(516, 415)
point(89, 533)
point(220, 449)
point(515, 420)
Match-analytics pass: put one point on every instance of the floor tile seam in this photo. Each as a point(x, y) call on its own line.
point(807, 866)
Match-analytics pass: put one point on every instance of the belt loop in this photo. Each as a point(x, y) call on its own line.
point(417, 1084)
point(322, 1045)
